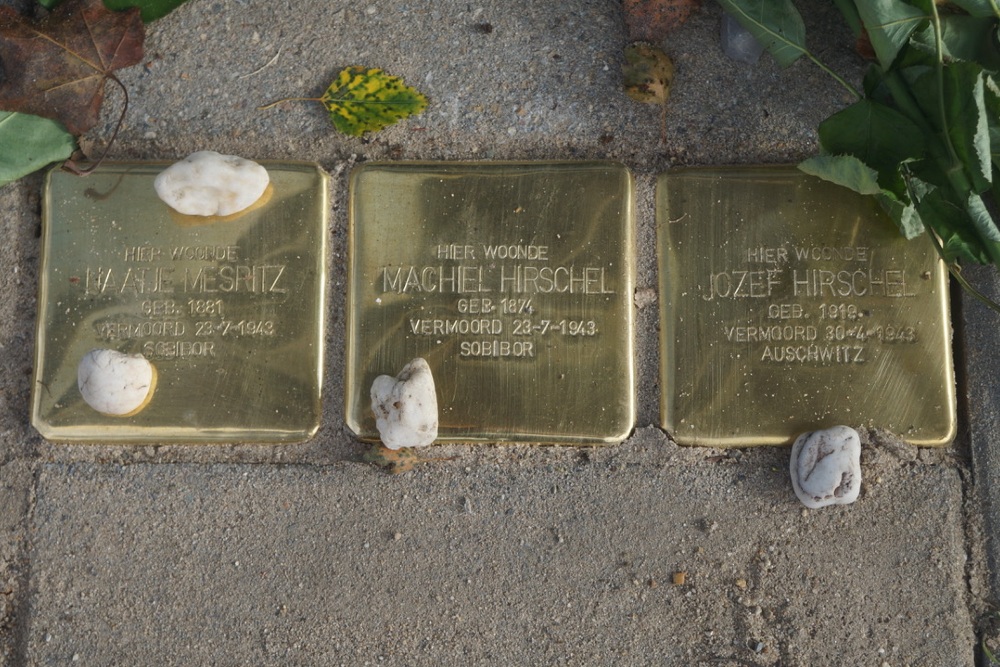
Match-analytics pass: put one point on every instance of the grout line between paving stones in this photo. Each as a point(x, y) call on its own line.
point(21, 630)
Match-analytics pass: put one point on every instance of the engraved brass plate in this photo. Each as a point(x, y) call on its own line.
point(513, 281)
point(229, 312)
point(790, 304)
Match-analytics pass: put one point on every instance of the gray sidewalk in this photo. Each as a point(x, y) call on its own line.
point(303, 555)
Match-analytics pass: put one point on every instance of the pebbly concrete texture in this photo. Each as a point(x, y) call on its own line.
point(170, 555)
point(495, 564)
point(981, 335)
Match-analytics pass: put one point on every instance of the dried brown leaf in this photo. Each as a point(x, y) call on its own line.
point(648, 73)
point(393, 461)
point(653, 19)
point(57, 67)
point(396, 461)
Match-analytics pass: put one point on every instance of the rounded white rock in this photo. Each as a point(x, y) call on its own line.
point(115, 383)
point(207, 183)
point(405, 406)
point(826, 467)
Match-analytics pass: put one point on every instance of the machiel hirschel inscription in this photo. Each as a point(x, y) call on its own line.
point(227, 311)
point(790, 303)
point(513, 281)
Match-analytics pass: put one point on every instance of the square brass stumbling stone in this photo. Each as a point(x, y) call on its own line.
point(514, 281)
point(228, 311)
point(790, 304)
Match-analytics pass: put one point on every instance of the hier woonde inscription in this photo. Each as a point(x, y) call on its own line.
point(497, 294)
point(813, 304)
point(182, 297)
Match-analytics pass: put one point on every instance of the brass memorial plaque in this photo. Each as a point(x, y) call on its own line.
point(228, 311)
point(514, 282)
point(790, 304)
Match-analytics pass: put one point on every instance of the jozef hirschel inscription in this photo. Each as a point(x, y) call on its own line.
point(788, 304)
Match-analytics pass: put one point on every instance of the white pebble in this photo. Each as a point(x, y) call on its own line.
point(208, 183)
point(738, 43)
point(405, 406)
point(114, 383)
point(826, 467)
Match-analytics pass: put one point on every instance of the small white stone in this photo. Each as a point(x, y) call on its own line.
point(115, 383)
point(826, 467)
point(737, 42)
point(405, 406)
point(208, 183)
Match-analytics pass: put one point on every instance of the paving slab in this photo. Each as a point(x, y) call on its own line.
point(981, 336)
point(171, 555)
point(645, 556)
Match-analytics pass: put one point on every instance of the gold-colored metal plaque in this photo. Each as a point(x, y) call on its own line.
point(513, 281)
point(228, 311)
point(790, 304)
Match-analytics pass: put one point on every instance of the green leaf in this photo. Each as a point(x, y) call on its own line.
point(903, 213)
point(982, 219)
point(889, 24)
point(962, 38)
point(776, 24)
point(852, 173)
point(878, 135)
point(981, 8)
point(150, 10)
point(952, 225)
point(991, 97)
point(28, 143)
point(963, 103)
point(366, 100)
point(973, 136)
point(845, 170)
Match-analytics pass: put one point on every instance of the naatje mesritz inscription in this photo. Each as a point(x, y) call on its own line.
point(179, 296)
point(219, 287)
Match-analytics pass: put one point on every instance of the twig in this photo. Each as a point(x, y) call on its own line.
point(71, 166)
point(263, 67)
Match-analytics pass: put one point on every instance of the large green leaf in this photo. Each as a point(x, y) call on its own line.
point(991, 96)
point(903, 213)
point(889, 24)
point(28, 143)
point(776, 24)
point(978, 7)
point(876, 134)
point(961, 98)
point(962, 38)
point(149, 9)
point(850, 172)
point(952, 225)
point(982, 219)
point(845, 170)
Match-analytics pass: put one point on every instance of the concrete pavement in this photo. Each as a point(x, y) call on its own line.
point(171, 555)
